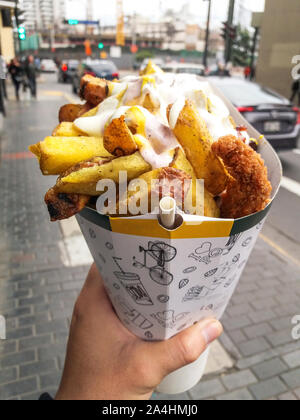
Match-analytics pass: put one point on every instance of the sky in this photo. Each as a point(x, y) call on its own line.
point(106, 10)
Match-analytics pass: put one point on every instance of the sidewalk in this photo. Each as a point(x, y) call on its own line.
point(39, 283)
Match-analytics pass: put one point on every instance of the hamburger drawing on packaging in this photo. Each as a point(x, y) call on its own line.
point(161, 281)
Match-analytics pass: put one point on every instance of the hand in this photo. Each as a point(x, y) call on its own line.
point(105, 361)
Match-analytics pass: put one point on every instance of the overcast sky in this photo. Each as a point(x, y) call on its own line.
point(106, 10)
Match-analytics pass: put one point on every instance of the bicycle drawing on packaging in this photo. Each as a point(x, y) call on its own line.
point(155, 259)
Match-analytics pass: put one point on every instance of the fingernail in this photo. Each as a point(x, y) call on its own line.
point(212, 331)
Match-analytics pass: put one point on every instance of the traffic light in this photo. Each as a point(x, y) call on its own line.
point(228, 31)
point(22, 33)
point(100, 45)
point(232, 32)
point(224, 31)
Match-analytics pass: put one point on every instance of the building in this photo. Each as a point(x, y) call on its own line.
point(43, 14)
point(280, 42)
point(7, 49)
point(242, 15)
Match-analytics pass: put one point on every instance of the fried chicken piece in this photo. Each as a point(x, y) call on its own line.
point(249, 189)
point(93, 89)
point(62, 206)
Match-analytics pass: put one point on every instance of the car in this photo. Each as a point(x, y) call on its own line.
point(158, 61)
point(99, 68)
point(271, 114)
point(47, 66)
point(67, 70)
point(188, 68)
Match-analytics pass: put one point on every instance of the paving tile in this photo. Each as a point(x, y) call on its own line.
point(267, 389)
point(269, 369)
point(292, 359)
point(207, 389)
point(238, 380)
point(238, 395)
point(292, 378)
point(251, 347)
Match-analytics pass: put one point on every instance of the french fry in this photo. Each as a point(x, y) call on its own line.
point(118, 139)
point(67, 129)
point(161, 175)
point(192, 133)
point(91, 113)
point(62, 206)
point(57, 154)
point(83, 178)
point(210, 206)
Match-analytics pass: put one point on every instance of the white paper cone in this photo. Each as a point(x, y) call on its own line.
point(162, 282)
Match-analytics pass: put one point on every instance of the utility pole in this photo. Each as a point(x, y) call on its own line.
point(228, 38)
point(254, 44)
point(17, 23)
point(205, 55)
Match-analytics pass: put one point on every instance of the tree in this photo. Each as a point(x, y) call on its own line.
point(241, 49)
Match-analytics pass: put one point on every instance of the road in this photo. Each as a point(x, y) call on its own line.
point(282, 226)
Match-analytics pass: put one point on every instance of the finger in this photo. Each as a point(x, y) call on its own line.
point(184, 348)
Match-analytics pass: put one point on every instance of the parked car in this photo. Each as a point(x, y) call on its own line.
point(270, 113)
point(158, 61)
point(47, 66)
point(98, 68)
point(67, 70)
point(189, 68)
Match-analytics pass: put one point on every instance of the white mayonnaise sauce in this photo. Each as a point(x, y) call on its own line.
point(94, 126)
point(175, 111)
point(156, 160)
point(155, 137)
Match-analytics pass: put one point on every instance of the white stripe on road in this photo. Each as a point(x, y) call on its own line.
point(296, 151)
point(291, 185)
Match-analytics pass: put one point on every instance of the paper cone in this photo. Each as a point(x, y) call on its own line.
point(161, 282)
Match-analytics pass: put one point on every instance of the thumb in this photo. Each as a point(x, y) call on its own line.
point(184, 348)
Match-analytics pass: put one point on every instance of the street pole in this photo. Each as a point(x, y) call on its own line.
point(17, 23)
point(229, 23)
point(255, 38)
point(205, 55)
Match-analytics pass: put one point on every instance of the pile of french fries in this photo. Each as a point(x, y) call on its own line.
point(81, 159)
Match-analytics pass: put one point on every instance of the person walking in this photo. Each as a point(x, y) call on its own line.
point(17, 75)
point(247, 72)
point(30, 71)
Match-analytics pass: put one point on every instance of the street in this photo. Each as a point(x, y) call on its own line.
point(43, 266)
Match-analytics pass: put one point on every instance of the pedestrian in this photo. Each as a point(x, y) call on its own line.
point(247, 72)
point(30, 71)
point(105, 361)
point(17, 75)
point(296, 91)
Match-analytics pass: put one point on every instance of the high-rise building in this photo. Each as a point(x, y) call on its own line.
point(279, 46)
point(42, 14)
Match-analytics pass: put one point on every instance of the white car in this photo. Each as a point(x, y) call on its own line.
point(48, 66)
point(188, 68)
point(159, 62)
